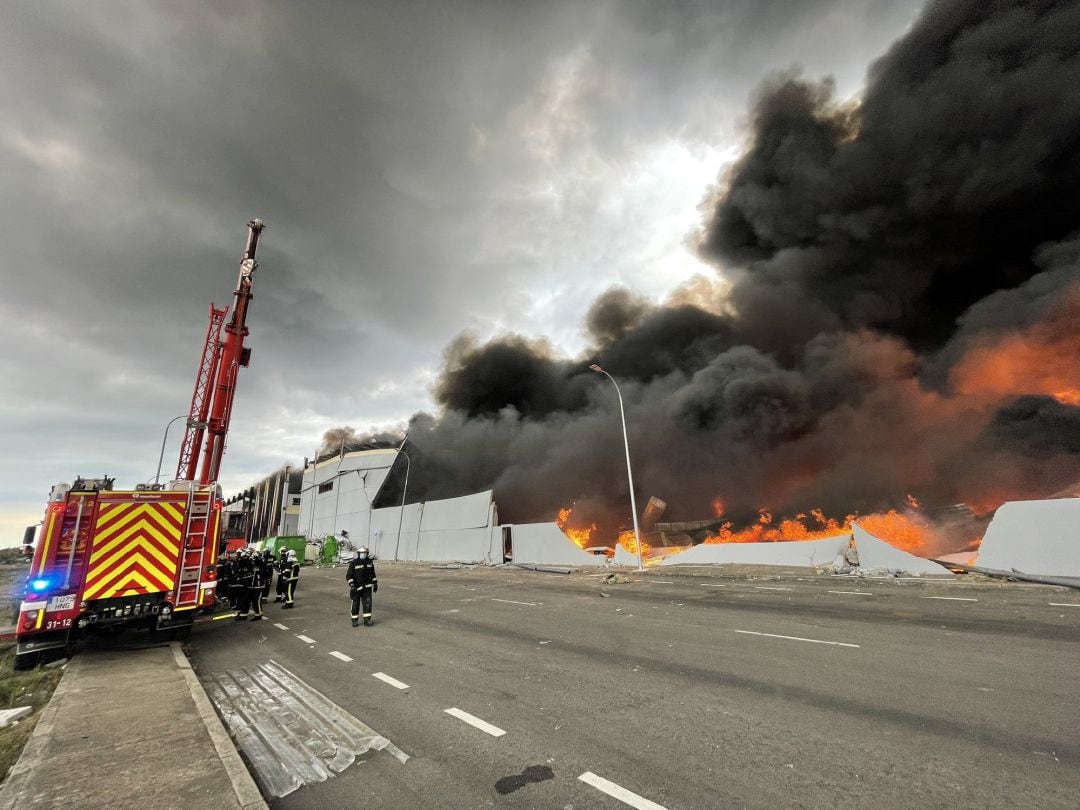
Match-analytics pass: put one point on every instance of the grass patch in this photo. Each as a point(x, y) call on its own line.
point(30, 688)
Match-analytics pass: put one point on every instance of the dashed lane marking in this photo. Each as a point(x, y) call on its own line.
point(706, 585)
point(618, 792)
point(382, 676)
point(280, 626)
point(512, 602)
point(399, 587)
point(341, 656)
point(951, 598)
point(854, 593)
point(1064, 604)
point(798, 638)
point(770, 588)
point(661, 581)
point(306, 640)
point(476, 722)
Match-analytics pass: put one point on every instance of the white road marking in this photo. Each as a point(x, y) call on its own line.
point(798, 638)
point(706, 585)
point(382, 676)
point(1064, 604)
point(476, 722)
point(306, 640)
point(280, 626)
point(622, 794)
point(661, 582)
point(951, 598)
point(512, 602)
point(770, 588)
point(399, 587)
point(341, 656)
point(854, 593)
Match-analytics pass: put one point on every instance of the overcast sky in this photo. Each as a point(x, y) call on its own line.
point(423, 170)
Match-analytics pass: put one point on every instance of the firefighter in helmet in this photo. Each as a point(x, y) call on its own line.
point(245, 578)
point(291, 572)
point(362, 584)
point(282, 568)
point(267, 563)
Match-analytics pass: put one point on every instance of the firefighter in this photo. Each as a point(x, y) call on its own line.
point(267, 573)
point(282, 567)
point(291, 574)
point(363, 582)
point(255, 585)
point(245, 574)
point(224, 578)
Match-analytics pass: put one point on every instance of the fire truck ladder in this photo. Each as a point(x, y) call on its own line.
point(193, 553)
point(200, 400)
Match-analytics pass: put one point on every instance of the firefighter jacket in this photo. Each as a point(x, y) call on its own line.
point(361, 573)
point(247, 573)
point(291, 571)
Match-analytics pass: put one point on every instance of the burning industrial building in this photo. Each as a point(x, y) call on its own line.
point(892, 329)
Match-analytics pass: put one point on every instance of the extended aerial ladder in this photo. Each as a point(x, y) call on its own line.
point(215, 380)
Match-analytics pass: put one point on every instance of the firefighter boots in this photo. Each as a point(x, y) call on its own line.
point(355, 622)
point(367, 622)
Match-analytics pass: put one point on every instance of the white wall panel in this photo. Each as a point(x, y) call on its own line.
point(468, 512)
point(875, 553)
point(545, 544)
point(1034, 537)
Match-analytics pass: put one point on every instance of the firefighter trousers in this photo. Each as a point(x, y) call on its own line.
point(361, 597)
point(290, 589)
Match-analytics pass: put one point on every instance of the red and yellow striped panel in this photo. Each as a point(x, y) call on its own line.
point(136, 547)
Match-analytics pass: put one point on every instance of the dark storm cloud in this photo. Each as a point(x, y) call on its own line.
point(863, 237)
point(396, 153)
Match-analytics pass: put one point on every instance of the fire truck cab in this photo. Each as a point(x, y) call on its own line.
point(113, 557)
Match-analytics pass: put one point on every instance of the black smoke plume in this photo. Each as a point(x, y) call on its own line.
point(886, 257)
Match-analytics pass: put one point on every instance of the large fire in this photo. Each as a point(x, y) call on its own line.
point(583, 536)
point(907, 531)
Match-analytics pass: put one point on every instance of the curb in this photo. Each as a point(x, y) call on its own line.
point(247, 793)
point(34, 750)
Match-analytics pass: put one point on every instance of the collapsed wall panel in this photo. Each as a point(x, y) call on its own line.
point(877, 554)
point(467, 512)
point(546, 544)
point(1034, 537)
point(787, 552)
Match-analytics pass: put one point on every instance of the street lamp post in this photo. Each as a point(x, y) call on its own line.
point(629, 474)
point(401, 512)
point(165, 438)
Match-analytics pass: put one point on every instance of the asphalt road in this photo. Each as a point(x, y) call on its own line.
point(686, 688)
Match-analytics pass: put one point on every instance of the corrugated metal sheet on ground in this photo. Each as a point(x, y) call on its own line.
point(290, 733)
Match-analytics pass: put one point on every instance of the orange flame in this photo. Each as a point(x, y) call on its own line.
point(1022, 363)
point(905, 531)
point(581, 537)
point(629, 542)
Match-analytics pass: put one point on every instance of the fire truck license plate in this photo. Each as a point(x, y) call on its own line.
point(61, 603)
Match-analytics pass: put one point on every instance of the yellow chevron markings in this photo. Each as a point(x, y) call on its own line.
point(134, 546)
point(138, 513)
point(140, 527)
point(125, 589)
point(163, 582)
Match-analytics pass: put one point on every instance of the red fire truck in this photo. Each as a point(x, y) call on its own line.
point(148, 556)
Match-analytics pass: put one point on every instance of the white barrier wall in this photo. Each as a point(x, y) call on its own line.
point(451, 530)
point(794, 552)
point(545, 544)
point(1034, 537)
point(875, 553)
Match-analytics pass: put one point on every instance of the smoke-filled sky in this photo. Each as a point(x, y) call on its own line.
point(828, 248)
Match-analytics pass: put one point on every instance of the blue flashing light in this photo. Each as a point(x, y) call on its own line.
point(39, 585)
